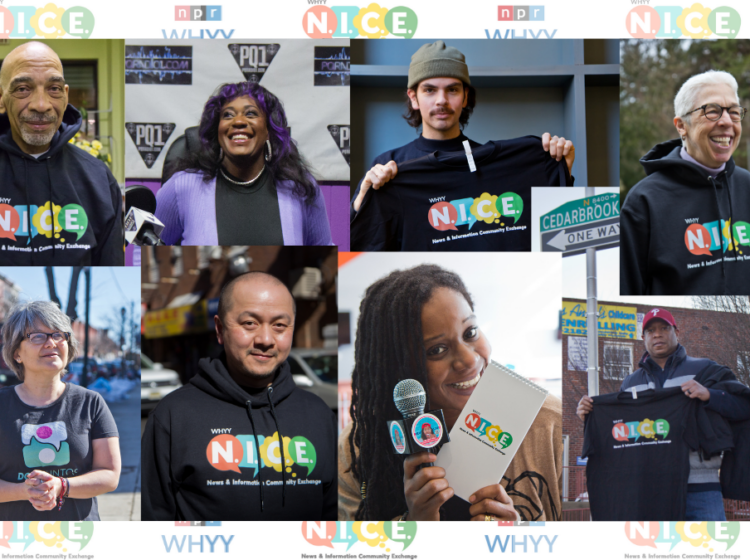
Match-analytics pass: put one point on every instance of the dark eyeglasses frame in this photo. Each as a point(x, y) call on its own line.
point(703, 107)
point(66, 336)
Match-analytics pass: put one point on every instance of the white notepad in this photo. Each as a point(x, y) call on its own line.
point(489, 430)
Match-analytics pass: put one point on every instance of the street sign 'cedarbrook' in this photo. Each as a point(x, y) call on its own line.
point(579, 224)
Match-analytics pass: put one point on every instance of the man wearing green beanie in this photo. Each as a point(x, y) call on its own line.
point(441, 100)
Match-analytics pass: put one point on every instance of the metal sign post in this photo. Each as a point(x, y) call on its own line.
point(580, 226)
point(592, 308)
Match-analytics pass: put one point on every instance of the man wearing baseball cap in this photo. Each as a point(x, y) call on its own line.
point(666, 364)
point(440, 100)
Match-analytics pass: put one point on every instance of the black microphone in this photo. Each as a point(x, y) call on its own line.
point(141, 197)
point(418, 430)
point(141, 226)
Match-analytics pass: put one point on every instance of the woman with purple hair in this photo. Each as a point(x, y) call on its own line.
point(248, 184)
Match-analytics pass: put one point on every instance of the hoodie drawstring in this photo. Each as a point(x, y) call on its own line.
point(281, 446)
point(249, 406)
point(731, 222)
point(718, 209)
point(51, 205)
point(28, 206)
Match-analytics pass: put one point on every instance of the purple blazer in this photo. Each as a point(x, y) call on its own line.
point(187, 206)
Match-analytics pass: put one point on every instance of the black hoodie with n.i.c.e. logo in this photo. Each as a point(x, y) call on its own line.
point(63, 208)
point(211, 452)
point(684, 232)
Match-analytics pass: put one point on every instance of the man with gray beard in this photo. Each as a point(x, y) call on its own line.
point(58, 204)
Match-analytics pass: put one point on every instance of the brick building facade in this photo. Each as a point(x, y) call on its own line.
point(704, 334)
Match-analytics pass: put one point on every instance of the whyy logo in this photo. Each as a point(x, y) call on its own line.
point(376, 534)
point(373, 22)
point(487, 208)
point(706, 535)
point(696, 22)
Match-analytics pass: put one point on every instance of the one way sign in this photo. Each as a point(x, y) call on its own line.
point(576, 239)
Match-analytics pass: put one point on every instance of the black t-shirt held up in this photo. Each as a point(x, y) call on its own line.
point(637, 451)
point(435, 203)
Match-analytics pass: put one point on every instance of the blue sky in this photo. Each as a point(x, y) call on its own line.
point(111, 289)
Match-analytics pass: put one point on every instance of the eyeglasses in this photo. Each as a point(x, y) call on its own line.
point(39, 338)
point(714, 111)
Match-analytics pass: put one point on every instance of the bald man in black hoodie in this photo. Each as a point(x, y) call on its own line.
point(211, 449)
point(58, 204)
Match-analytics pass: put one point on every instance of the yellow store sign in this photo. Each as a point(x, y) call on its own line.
point(614, 322)
point(176, 320)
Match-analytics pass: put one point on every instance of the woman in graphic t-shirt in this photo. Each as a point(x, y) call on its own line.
point(60, 446)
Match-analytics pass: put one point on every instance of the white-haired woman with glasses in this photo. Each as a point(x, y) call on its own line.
point(685, 228)
point(59, 446)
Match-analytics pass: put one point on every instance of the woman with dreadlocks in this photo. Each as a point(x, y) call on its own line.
point(420, 323)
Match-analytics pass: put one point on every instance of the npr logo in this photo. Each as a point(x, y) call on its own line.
point(520, 13)
point(197, 13)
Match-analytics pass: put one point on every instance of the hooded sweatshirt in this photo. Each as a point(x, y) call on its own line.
point(675, 228)
point(211, 452)
point(83, 225)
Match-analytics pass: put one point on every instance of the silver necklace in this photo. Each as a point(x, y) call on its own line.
point(242, 183)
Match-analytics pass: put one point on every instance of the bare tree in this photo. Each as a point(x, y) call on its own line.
point(732, 321)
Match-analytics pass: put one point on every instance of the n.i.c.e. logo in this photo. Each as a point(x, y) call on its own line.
point(649, 429)
point(696, 22)
point(701, 239)
point(62, 536)
point(485, 429)
point(49, 220)
point(383, 535)
point(488, 208)
point(706, 536)
point(228, 452)
point(49, 22)
point(373, 22)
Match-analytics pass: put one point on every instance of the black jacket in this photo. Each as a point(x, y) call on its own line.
point(674, 233)
point(200, 452)
point(85, 223)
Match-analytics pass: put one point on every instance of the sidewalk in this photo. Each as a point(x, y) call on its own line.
point(124, 504)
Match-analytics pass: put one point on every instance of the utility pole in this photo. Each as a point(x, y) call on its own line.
point(84, 375)
point(132, 329)
point(123, 311)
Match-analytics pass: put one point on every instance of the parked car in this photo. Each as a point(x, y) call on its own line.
point(8, 378)
point(156, 383)
point(316, 370)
